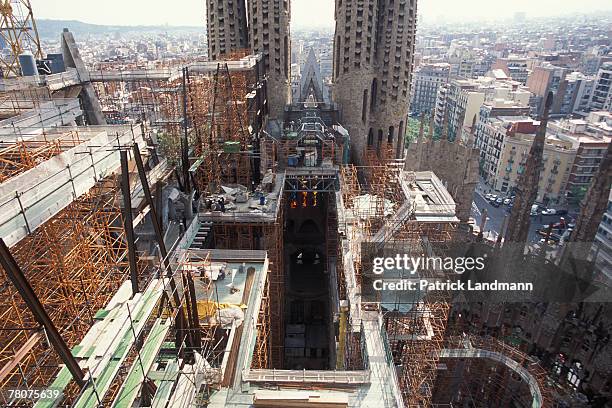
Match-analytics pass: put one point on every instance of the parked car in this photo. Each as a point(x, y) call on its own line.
point(534, 210)
point(549, 211)
point(507, 201)
point(488, 196)
point(497, 202)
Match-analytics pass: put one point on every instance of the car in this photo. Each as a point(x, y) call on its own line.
point(507, 201)
point(549, 211)
point(496, 203)
point(488, 196)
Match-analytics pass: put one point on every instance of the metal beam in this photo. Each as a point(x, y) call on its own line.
point(181, 320)
point(185, 137)
point(128, 222)
point(15, 274)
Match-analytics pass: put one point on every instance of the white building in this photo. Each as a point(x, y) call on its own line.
point(602, 247)
point(427, 80)
point(466, 96)
point(602, 94)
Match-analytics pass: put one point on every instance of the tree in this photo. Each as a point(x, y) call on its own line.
point(576, 194)
point(412, 130)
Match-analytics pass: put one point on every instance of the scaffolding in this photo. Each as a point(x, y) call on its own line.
point(75, 263)
point(381, 214)
point(483, 371)
point(20, 156)
point(253, 235)
point(209, 109)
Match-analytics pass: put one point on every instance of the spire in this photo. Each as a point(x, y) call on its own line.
point(421, 128)
point(311, 82)
point(528, 182)
point(472, 139)
point(445, 126)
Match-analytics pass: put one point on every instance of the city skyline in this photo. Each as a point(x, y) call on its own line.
point(305, 13)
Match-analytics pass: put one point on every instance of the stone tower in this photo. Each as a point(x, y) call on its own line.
point(269, 34)
point(373, 58)
point(227, 27)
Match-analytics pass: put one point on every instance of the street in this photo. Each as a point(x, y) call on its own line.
point(495, 218)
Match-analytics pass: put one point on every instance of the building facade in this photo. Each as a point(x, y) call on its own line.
point(602, 92)
point(464, 98)
point(544, 79)
point(373, 57)
point(427, 80)
point(602, 247)
point(590, 138)
point(514, 67)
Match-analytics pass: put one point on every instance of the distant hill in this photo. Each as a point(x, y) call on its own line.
point(53, 28)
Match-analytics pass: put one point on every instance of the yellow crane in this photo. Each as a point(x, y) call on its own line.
point(18, 33)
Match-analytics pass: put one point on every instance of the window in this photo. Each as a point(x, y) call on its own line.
point(364, 106)
point(391, 135)
point(373, 95)
point(371, 137)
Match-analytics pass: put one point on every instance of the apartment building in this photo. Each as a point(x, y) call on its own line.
point(590, 138)
point(602, 247)
point(513, 66)
point(602, 92)
point(504, 148)
point(427, 80)
point(464, 99)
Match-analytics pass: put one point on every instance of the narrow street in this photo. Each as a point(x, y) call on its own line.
point(495, 218)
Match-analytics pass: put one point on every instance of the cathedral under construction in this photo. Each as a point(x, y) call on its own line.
point(213, 250)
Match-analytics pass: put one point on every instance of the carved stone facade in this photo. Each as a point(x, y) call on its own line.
point(455, 163)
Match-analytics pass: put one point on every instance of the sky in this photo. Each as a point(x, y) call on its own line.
point(305, 13)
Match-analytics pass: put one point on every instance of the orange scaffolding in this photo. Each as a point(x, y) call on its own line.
point(75, 263)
